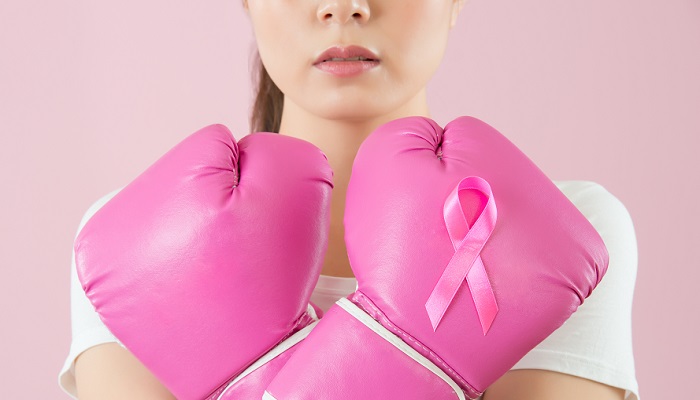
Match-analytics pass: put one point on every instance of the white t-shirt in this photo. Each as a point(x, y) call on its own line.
point(594, 343)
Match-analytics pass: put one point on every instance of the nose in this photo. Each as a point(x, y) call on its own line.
point(342, 11)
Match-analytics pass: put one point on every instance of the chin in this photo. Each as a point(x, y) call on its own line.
point(350, 110)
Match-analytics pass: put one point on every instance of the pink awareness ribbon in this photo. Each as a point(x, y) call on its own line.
point(467, 243)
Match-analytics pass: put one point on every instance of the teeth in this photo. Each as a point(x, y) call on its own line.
point(349, 59)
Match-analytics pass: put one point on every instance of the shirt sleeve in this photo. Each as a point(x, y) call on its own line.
point(596, 341)
point(87, 329)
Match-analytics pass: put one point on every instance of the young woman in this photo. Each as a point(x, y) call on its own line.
point(335, 105)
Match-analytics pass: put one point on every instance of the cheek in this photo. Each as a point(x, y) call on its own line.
point(420, 34)
point(279, 41)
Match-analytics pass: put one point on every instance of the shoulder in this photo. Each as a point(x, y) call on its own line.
point(595, 343)
point(614, 224)
point(607, 213)
point(592, 198)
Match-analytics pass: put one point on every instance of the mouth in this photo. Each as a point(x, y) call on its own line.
point(346, 61)
point(346, 54)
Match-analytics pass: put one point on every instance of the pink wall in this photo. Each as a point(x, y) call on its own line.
point(93, 92)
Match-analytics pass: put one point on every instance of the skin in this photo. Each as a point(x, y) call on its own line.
point(110, 372)
point(336, 114)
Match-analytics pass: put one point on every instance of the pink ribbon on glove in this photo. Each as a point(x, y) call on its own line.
point(467, 243)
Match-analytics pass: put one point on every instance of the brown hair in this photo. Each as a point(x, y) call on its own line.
point(269, 99)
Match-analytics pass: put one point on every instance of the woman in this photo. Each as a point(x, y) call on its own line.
point(335, 104)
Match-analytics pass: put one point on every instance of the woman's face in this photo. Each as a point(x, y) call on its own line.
point(407, 36)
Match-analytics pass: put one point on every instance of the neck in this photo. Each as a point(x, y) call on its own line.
point(340, 139)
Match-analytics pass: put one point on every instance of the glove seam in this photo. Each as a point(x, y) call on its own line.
point(361, 300)
point(304, 320)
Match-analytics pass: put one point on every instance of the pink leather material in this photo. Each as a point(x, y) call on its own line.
point(253, 386)
point(342, 359)
point(542, 258)
point(372, 310)
point(208, 259)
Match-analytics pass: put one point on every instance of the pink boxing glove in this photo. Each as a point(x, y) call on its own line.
point(467, 256)
point(203, 266)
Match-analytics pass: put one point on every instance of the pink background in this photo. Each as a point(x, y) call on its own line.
point(92, 92)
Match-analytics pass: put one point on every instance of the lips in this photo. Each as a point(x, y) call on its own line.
point(346, 62)
point(349, 53)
